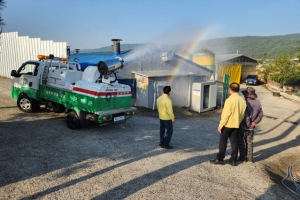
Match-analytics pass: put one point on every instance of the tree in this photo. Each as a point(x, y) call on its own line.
point(282, 69)
point(2, 5)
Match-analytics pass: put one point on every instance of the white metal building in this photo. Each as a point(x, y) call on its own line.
point(15, 50)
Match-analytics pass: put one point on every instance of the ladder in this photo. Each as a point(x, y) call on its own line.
point(45, 74)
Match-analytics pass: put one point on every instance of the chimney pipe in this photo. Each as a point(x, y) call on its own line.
point(116, 46)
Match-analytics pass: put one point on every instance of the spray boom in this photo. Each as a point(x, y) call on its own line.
point(108, 67)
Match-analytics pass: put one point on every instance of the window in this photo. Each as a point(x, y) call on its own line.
point(29, 69)
point(252, 76)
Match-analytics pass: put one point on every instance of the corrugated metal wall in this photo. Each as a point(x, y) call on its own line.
point(15, 50)
point(248, 68)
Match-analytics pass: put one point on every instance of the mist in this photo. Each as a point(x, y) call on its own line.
point(175, 39)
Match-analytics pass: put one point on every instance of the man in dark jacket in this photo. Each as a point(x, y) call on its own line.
point(253, 116)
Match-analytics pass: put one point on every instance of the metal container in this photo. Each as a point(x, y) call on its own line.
point(205, 58)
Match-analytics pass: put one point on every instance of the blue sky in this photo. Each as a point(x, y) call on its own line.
point(93, 23)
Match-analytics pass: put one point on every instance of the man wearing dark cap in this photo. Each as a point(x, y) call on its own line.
point(167, 118)
point(253, 116)
point(232, 115)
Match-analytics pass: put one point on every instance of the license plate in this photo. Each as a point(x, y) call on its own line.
point(120, 118)
point(250, 82)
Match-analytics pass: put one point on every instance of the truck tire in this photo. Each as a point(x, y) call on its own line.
point(25, 104)
point(73, 121)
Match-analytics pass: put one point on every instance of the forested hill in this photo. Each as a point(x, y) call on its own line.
point(251, 46)
point(255, 46)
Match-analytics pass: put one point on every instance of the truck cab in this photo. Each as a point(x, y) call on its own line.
point(27, 79)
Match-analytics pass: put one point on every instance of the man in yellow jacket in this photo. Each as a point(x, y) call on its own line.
point(167, 118)
point(232, 115)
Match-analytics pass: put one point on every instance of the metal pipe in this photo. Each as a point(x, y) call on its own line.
point(116, 46)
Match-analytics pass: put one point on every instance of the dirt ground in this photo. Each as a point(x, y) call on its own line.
point(40, 158)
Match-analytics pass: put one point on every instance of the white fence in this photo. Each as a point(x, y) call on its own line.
point(15, 50)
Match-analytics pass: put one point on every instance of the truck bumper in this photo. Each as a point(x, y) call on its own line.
point(115, 116)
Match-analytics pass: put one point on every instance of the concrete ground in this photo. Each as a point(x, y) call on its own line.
point(40, 158)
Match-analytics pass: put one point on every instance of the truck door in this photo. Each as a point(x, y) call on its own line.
point(26, 79)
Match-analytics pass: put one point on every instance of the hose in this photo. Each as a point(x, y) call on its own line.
point(295, 180)
point(115, 78)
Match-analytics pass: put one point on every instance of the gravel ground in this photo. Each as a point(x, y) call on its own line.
point(40, 158)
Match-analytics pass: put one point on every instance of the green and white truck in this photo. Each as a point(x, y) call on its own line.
point(90, 96)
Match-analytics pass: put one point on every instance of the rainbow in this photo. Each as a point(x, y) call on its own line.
point(190, 50)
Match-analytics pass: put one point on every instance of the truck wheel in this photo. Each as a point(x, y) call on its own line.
point(73, 121)
point(24, 104)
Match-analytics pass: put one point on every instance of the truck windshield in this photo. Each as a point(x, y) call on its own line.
point(252, 76)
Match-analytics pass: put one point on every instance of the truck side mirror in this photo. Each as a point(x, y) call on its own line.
point(13, 73)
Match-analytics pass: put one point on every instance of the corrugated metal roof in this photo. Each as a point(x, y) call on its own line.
point(192, 63)
point(223, 57)
point(162, 73)
point(150, 62)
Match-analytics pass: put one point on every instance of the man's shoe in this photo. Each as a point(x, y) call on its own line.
point(216, 162)
point(232, 163)
point(241, 159)
point(166, 146)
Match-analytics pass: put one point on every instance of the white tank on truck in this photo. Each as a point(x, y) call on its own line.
point(90, 96)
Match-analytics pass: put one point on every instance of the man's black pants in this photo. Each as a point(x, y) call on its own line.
point(232, 134)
